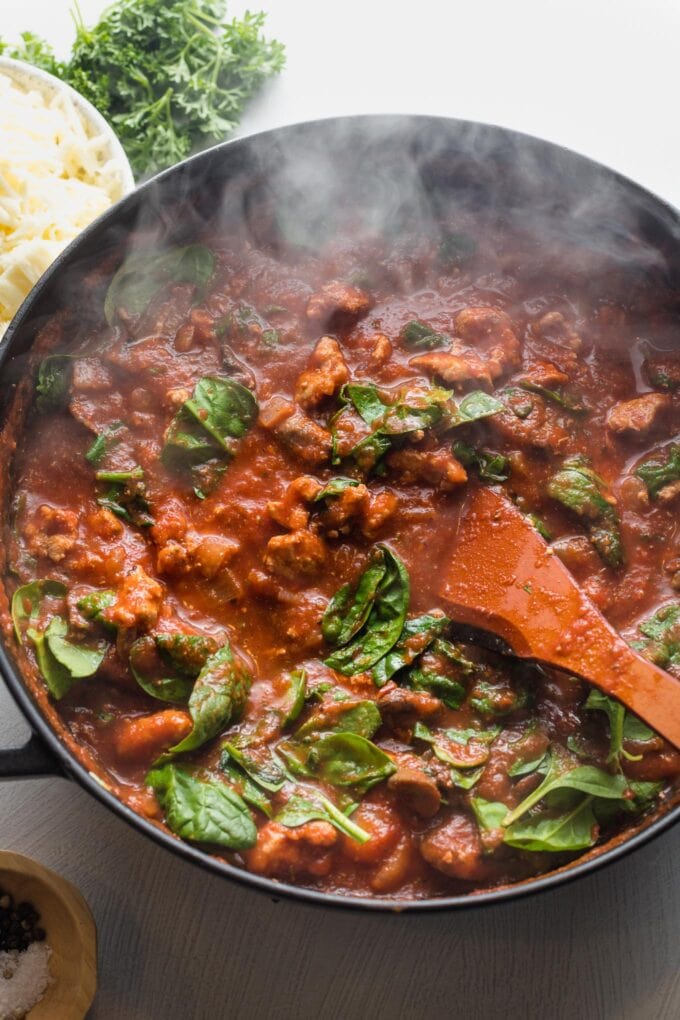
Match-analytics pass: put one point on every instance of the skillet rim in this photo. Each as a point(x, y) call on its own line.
point(72, 767)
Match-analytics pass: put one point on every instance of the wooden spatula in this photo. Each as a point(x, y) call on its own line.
point(504, 579)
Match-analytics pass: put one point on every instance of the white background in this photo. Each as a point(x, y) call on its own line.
point(600, 76)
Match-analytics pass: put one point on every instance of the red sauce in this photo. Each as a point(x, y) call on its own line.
point(253, 557)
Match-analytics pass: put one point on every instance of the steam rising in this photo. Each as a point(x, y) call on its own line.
point(386, 177)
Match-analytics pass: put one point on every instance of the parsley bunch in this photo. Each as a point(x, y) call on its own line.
point(171, 76)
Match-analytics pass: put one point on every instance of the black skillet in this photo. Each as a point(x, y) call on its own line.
point(389, 168)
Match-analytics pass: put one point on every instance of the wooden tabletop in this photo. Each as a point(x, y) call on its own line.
point(176, 943)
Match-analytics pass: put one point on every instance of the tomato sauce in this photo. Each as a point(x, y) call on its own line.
point(254, 428)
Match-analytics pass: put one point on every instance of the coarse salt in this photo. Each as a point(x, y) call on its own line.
point(24, 976)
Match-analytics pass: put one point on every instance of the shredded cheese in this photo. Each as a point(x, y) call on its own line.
point(56, 176)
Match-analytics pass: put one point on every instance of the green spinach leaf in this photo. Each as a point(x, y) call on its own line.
point(418, 336)
point(417, 635)
point(619, 721)
point(579, 489)
point(53, 388)
point(347, 612)
point(315, 807)
point(202, 436)
point(384, 622)
point(219, 695)
point(575, 829)
point(202, 810)
point(144, 273)
point(657, 474)
point(62, 662)
point(661, 633)
point(258, 762)
point(351, 716)
point(347, 759)
point(27, 600)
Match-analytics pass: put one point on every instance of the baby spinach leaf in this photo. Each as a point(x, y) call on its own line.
point(53, 388)
point(497, 697)
point(575, 829)
point(492, 467)
point(258, 762)
point(662, 637)
point(126, 496)
point(489, 814)
point(586, 779)
point(619, 720)
point(27, 600)
point(476, 405)
point(418, 336)
point(384, 623)
point(335, 487)
point(315, 807)
point(244, 786)
point(93, 604)
point(461, 748)
point(347, 759)
point(366, 400)
point(143, 273)
point(579, 489)
point(202, 436)
point(566, 400)
point(77, 659)
point(218, 696)
point(202, 810)
point(295, 696)
point(465, 780)
point(187, 653)
point(346, 613)
point(149, 671)
point(359, 717)
point(417, 635)
point(657, 474)
point(104, 443)
point(60, 661)
point(525, 768)
point(540, 527)
point(448, 690)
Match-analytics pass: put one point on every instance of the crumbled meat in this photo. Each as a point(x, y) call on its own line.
point(358, 503)
point(544, 373)
point(416, 791)
point(326, 373)
point(143, 738)
point(553, 326)
point(668, 493)
point(453, 366)
point(402, 708)
point(291, 511)
point(91, 376)
point(53, 534)
point(455, 848)
point(299, 554)
point(337, 304)
point(138, 601)
point(436, 467)
point(289, 853)
point(303, 437)
point(639, 415)
point(381, 351)
point(528, 420)
point(105, 524)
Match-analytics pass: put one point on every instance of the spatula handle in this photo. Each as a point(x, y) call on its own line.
point(505, 579)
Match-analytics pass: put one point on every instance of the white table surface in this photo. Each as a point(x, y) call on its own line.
point(599, 76)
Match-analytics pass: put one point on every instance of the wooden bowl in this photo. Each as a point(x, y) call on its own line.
point(71, 935)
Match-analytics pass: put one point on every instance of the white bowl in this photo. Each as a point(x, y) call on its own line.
point(32, 77)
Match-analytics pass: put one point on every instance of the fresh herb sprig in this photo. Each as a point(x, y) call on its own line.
point(171, 76)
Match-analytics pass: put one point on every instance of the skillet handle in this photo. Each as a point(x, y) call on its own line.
point(30, 761)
